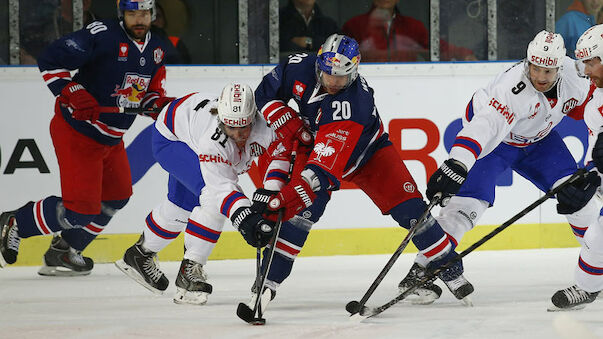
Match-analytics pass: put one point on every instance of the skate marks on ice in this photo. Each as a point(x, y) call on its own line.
point(512, 291)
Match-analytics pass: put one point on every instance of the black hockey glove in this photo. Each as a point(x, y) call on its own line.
point(576, 195)
point(260, 200)
point(446, 180)
point(597, 153)
point(255, 230)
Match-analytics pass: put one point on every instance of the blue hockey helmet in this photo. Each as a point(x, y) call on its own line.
point(339, 55)
point(135, 5)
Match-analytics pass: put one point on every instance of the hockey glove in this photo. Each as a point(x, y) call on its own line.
point(157, 105)
point(576, 195)
point(597, 153)
point(81, 102)
point(260, 200)
point(289, 126)
point(255, 230)
point(294, 197)
point(447, 180)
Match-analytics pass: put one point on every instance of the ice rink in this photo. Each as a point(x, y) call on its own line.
point(513, 290)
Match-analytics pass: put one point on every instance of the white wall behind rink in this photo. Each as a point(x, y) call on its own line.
point(437, 92)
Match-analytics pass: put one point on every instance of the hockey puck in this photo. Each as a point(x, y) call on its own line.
point(353, 307)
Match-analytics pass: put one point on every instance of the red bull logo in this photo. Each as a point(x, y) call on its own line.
point(546, 62)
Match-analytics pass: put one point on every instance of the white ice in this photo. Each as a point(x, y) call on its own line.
point(513, 290)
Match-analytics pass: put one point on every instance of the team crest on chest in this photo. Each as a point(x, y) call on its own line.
point(123, 52)
point(298, 90)
point(256, 149)
point(158, 55)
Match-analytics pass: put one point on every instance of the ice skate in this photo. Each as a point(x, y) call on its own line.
point(191, 284)
point(140, 265)
point(63, 260)
point(458, 285)
point(571, 298)
point(426, 293)
point(9, 239)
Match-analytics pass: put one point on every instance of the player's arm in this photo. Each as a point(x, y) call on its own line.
point(489, 117)
point(67, 54)
point(272, 101)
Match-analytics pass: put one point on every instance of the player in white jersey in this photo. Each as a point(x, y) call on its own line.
point(589, 269)
point(204, 143)
point(509, 124)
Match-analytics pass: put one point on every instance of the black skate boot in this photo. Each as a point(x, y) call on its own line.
point(62, 260)
point(571, 298)
point(191, 285)
point(453, 277)
point(426, 293)
point(139, 264)
point(9, 239)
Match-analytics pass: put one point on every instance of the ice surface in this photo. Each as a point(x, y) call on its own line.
point(513, 290)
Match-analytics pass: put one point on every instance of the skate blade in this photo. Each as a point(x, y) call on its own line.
point(466, 301)
point(60, 271)
point(421, 296)
point(553, 308)
point(131, 272)
point(3, 262)
point(264, 302)
point(187, 297)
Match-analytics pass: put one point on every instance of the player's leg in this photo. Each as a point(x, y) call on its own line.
point(116, 191)
point(548, 164)
point(588, 273)
point(202, 233)
point(80, 165)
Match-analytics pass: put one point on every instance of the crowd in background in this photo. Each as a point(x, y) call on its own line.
point(386, 30)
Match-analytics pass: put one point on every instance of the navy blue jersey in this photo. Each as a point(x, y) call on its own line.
point(115, 69)
point(346, 126)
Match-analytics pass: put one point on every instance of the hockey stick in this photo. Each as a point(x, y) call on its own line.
point(243, 310)
point(355, 306)
point(366, 312)
point(129, 110)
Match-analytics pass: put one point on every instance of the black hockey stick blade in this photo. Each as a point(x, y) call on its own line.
point(371, 312)
point(355, 306)
point(248, 315)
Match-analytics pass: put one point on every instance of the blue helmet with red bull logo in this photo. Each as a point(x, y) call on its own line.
point(135, 5)
point(340, 56)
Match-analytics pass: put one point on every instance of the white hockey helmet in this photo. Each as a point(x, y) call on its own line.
point(236, 105)
point(547, 50)
point(590, 44)
point(135, 5)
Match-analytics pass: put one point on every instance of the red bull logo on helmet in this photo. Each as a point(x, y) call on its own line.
point(545, 62)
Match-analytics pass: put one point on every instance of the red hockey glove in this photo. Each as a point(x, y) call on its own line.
point(289, 126)
point(82, 103)
point(294, 197)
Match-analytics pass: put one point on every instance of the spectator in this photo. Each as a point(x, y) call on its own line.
point(386, 35)
point(303, 26)
point(176, 50)
point(580, 15)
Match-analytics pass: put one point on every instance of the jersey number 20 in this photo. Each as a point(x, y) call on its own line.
point(343, 110)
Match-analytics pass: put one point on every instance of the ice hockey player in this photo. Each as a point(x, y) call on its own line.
point(118, 64)
point(509, 124)
point(338, 107)
point(204, 143)
point(589, 269)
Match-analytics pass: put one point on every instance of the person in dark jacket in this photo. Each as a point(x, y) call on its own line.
point(303, 27)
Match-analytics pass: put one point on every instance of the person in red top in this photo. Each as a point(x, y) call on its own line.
point(386, 35)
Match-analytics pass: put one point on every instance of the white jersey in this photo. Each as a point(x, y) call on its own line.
point(593, 117)
point(510, 110)
point(190, 121)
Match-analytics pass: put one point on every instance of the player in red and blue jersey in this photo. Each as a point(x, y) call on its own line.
point(118, 63)
point(337, 106)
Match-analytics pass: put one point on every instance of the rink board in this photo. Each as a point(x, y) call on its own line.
point(420, 105)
